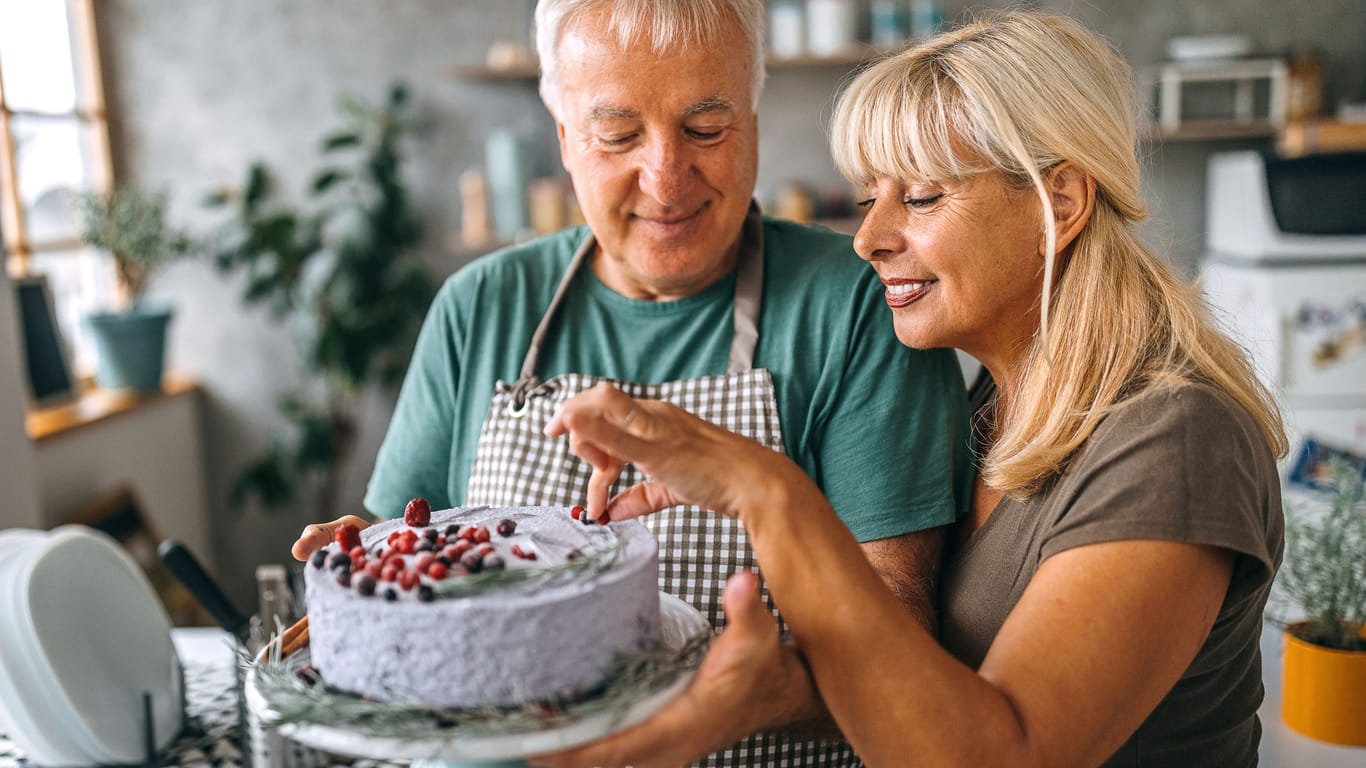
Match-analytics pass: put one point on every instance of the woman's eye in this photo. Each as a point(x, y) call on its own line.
point(920, 202)
point(866, 203)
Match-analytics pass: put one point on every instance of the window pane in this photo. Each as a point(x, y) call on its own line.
point(55, 162)
point(82, 282)
point(35, 56)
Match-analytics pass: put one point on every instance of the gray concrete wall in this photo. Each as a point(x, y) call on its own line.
point(200, 89)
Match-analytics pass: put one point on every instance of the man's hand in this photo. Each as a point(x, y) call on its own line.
point(748, 682)
point(318, 535)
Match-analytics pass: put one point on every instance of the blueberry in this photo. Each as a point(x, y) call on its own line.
point(319, 558)
point(391, 594)
point(423, 546)
point(452, 530)
point(344, 577)
point(472, 560)
point(573, 555)
point(339, 560)
point(366, 584)
point(446, 561)
point(506, 527)
point(425, 593)
point(494, 563)
point(430, 534)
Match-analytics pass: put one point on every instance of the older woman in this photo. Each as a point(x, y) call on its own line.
point(1101, 603)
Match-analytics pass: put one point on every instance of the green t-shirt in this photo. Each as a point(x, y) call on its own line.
point(882, 429)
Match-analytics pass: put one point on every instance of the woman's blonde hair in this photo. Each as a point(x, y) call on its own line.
point(1019, 93)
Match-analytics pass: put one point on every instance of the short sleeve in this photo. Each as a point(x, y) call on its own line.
point(893, 451)
point(1183, 463)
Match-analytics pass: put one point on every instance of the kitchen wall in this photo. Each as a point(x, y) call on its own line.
point(198, 90)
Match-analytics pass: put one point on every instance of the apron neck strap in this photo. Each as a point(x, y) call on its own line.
point(749, 291)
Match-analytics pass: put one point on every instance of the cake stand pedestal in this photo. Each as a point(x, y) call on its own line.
point(679, 624)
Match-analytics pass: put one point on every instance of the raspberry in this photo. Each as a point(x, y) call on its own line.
point(484, 549)
point(418, 513)
point(348, 536)
point(437, 571)
point(458, 549)
point(390, 572)
point(374, 569)
point(506, 527)
point(422, 561)
point(407, 580)
point(356, 551)
point(481, 534)
point(576, 512)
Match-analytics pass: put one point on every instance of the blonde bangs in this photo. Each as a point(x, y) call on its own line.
point(889, 125)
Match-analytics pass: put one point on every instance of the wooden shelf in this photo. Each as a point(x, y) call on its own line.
point(1305, 137)
point(853, 57)
point(97, 405)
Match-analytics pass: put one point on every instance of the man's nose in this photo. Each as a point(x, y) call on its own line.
point(667, 171)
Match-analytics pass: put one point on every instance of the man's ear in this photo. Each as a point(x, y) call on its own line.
point(564, 154)
point(1073, 194)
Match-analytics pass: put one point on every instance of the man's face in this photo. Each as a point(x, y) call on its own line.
point(662, 149)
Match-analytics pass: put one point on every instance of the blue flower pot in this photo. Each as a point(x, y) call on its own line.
point(131, 347)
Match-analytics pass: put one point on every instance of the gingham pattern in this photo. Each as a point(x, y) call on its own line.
point(517, 465)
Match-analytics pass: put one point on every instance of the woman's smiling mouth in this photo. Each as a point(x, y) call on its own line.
point(901, 293)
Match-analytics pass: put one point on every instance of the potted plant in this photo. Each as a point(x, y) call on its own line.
point(1321, 602)
point(130, 339)
point(345, 273)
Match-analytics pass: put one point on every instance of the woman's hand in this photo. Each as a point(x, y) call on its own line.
point(691, 461)
point(317, 535)
point(748, 682)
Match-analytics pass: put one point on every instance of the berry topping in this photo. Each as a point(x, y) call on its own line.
point(452, 531)
point(425, 593)
point(481, 534)
point(576, 512)
point(390, 594)
point(344, 577)
point(517, 551)
point(430, 534)
point(374, 569)
point(339, 560)
point(494, 563)
point(356, 551)
point(418, 513)
point(446, 561)
point(422, 561)
point(365, 584)
point(407, 580)
point(506, 527)
point(390, 572)
point(422, 546)
point(459, 548)
point(319, 558)
point(484, 549)
point(473, 561)
point(437, 571)
point(348, 536)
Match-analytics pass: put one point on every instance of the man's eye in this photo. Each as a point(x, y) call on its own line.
point(616, 141)
point(702, 135)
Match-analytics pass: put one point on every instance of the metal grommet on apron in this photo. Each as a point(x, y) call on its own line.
point(517, 465)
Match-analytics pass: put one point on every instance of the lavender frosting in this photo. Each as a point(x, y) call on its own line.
point(508, 644)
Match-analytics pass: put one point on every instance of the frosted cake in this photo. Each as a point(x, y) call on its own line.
point(476, 607)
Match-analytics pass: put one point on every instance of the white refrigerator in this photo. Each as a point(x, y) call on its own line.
point(1285, 267)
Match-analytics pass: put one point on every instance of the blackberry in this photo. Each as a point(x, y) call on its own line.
point(506, 527)
point(365, 584)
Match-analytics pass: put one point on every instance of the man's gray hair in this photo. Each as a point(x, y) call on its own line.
point(662, 24)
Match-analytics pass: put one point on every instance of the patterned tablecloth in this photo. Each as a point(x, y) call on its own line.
point(216, 734)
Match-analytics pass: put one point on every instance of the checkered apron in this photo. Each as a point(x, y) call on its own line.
point(517, 465)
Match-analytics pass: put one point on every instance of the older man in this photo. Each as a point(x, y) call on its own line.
point(679, 289)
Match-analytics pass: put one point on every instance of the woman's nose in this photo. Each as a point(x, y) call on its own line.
point(879, 236)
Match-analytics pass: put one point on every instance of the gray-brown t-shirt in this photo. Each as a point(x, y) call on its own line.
point(1183, 463)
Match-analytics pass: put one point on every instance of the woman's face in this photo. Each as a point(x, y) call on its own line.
point(961, 261)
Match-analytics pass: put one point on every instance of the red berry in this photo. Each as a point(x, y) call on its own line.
point(522, 553)
point(576, 512)
point(404, 546)
point(407, 580)
point(467, 533)
point(418, 513)
point(422, 561)
point(481, 534)
point(348, 536)
point(389, 573)
point(358, 562)
point(484, 549)
point(356, 551)
point(437, 571)
point(375, 569)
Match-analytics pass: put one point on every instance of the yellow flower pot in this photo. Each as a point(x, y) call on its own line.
point(1323, 692)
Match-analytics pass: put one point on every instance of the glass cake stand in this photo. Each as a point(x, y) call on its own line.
point(679, 623)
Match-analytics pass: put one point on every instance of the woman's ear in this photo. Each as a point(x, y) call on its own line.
point(1073, 194)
